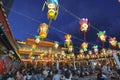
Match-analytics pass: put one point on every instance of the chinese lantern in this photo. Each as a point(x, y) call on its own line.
point(43, 30)
point(113, 42)
point(52, 8)
point(84, 45)
point(95, 47)
point(84, 26)
point(102, 35)
point(37, 40)
point(56, 44)
point(68, 39)
point(118, 44)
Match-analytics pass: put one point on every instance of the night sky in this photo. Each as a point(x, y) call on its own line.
point(26, 16)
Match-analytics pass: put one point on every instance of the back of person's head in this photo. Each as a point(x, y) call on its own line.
point(67, 74)
point(118, 71)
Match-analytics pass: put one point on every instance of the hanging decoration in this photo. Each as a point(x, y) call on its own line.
point(68, 41)
point(84, 25)
point(102, 35)
point(118, 44)
point(37, 40)
point(113, 41)
point(43, 30)
point(95, 48)
point(84, 46)
point(53, 8)
point(56, 43)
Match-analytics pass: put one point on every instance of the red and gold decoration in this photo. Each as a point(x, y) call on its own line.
point(43, 30)
point(84, 46)
point(84, 25)
point(102, 35)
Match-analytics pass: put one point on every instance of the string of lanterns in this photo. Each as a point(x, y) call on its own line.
point(84, 27)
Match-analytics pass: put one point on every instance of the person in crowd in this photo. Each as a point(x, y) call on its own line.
point(68, 75)
point(10, 76)
point(19, 76)
point(57, 75)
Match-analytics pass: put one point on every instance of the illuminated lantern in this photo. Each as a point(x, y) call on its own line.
point(84, 45)
point(95, 47)
point(43, 30)
point(84, 25)
point(56, 44)
point(68, 39)
point(70, 49)
point(113, 42)
point(52, 8)
point(118, 44)
point(37, 40)
point(102, 35)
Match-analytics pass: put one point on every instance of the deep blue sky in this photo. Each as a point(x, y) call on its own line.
point(26, 15)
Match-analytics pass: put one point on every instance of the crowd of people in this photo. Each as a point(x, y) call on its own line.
point(31, 72)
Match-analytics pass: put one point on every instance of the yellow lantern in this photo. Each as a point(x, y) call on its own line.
point(68, 39)
point(43, 30)
point(113, 42)
point(51, 11)
point(52, 8)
